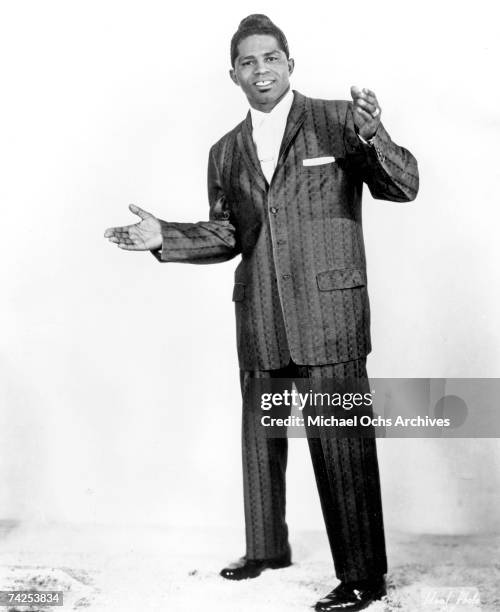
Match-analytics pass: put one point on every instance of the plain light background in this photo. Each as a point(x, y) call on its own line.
point(118, 375)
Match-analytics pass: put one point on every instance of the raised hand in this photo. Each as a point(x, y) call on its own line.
point(366, 111)
point(142, 236)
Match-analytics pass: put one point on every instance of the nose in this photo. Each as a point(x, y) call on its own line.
point(260, 67)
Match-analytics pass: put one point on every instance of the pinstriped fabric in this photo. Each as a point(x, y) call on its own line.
point(264, 466)
point(293, 233)
point(347, 477)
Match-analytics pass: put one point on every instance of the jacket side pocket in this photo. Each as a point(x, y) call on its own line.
point(345, 278)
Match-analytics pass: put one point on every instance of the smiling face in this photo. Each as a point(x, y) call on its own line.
point(262, 70)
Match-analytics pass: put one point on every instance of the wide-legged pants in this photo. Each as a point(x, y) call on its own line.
point(347, 478)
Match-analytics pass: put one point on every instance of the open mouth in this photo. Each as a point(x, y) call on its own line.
point(263, 84)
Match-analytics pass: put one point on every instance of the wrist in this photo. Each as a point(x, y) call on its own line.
point(366, 137)
point(367, 140)
point(158, 241)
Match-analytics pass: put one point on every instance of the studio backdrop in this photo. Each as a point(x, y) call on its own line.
point(119, 384)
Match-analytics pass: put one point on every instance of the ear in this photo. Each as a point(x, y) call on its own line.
point(291, 65)
point(233, 76)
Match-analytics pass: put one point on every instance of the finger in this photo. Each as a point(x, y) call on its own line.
point(125, 242)
point(116, 231)
point(127, 239)
point(371, 97)
point(131, 247)
point(122, 232)
point(366, 99)
point(367, 106)
point(364, 93)
point(118, 238)
point(113, 231)
point(364, 114)
point(143, 214)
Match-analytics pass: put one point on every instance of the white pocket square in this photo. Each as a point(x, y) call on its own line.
point(318, 161)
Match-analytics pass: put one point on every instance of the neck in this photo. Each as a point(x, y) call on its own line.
point(267, 107)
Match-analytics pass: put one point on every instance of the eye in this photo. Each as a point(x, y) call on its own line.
point(247, 63)
point(272, 58)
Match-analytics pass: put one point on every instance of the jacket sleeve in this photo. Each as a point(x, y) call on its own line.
point(390, 171)
point(204, 242)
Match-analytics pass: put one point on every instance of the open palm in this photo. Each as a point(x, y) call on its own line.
point(142, 236)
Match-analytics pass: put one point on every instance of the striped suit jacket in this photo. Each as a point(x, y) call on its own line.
point(300, 289)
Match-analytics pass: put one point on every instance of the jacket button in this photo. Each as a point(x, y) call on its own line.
point(286, 276)
point(274, 210)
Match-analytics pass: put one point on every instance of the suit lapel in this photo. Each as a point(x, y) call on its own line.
point(247, 146)
point(249, 152)
point(295, 120)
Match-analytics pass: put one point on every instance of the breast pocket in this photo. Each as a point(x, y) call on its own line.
point(318, 165)
point(318, 162)
point(321, 177)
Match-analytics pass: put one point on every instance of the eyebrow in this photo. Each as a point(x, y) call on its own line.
point(253, 56)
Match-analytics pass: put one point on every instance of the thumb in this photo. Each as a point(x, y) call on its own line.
point(355, 91)
point(143, 214)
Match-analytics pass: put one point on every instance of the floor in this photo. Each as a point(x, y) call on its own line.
point(156, 568)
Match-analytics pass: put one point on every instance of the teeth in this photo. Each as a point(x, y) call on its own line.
point(264, 83)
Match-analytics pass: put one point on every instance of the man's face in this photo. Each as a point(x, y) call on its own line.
point(262, 70)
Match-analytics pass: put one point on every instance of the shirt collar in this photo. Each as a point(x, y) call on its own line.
point(280, 111)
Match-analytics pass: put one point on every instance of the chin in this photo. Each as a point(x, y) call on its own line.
point(268, 96)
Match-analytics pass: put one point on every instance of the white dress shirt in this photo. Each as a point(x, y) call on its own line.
point(267, 132)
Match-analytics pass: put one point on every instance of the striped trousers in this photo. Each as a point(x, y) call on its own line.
point(347, 478)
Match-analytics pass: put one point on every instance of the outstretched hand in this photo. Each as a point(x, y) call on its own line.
point(367, 111)
point(142, 236)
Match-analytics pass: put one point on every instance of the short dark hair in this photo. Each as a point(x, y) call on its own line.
point(257, 24)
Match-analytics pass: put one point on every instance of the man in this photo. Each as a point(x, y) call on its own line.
point(285, 190)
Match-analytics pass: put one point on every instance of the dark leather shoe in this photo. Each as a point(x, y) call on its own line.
point(352, 596)
point(251, 568)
